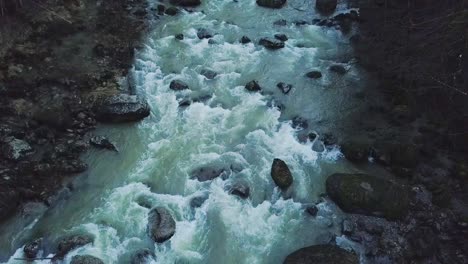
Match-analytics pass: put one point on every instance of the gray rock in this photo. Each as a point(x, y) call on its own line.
point(271, 3)
point(281, 37)
point(121, 108)
point(31, 249)
point(209, 74)
point(314, 74)
point(15, 149)
point(321, 254)
point(102, 142)
point(161, 225)
point(186, 2)
point(85, 259)
point(271, 44)
point(178, 85)
point(253, 86)
point(70, 243)
point(326, 6)
point(142, 256)
point(281, 174)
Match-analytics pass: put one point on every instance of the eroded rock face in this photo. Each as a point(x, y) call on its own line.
point(161, 225)
point(271, 3)
point(186, 2)
point(121, 108)
point(369, 195)
point(281, 174)
point(85, 259)
point(322, 254)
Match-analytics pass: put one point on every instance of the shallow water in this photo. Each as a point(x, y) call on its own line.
point(228, 127)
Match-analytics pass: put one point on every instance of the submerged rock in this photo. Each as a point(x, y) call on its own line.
point(178, 85)
point(240, 189)
point(337, 68)
point(314, 74)
point(203, 33)
point(271, 44)
point(281, 174)
point(209, 74)
point(15, 149)
point(245, 40)
point(207, 174)
point(281, 37)
point(271, 3)
point(285, 88)
point(122, 108)
point(31, 249)
point(312, 210)
point(198, 201)
point(172, 11)
point(326, 6)
point(322, 254)
point(253, 86)
point(142, 256)
point(85, 259)
point(369, 195)
point(161, 225)
point(102, 142)
point(70, 243)
point(179, 36)
point(186, 2)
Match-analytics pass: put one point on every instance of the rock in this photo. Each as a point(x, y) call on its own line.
point(207, 174)
point(314, 74)
point(281, 37)
point(172, 11)
point(161, 225)
point(9, 200)
point(347, 227)
point(322, 254)
point(203, 33)
point(280, 22)
point(245, 40)
point(326, 6)
point(161, 8)
point(142, 256)
point(178, 85)
point(85, 259)
point(121, 108)
point(423, 242)
point(337, 68)
point(281, 174)
point(240, 189)
point(356, 150)
point(31, 249)
point(198, 201)
point(70, 166)
point(368, 195)
point(70, 243)
point(300, 122)
point(271, 3)
point(15, 149)
point(209, 74)
point(185, 2)
point(253, 86)
point(312, 210)
point(102, 142)
point(271, 44)
point(179, 36)
point(285, 88)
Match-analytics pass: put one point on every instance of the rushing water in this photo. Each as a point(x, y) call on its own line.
point(228, 127)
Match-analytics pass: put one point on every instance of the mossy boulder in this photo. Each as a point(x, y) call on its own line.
point(368, 195)
point(322, 254)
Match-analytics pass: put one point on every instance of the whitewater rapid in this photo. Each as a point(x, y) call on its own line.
point(225, 126)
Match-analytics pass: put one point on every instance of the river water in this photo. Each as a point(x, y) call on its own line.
point(226, 127)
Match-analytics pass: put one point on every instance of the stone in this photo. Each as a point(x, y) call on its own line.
point(15, 149)
point(31, 249)
point(347, 227)
point(209, 74)
point(253, 86)
point(203, 33)
point(198, 201)
point(207, 174)
point(312, 210)
point(178, 85)
point(337, 68)
point(314, 75)
point(142, 256)
point(188, 3)
point(245, 40)
point(161, 225)
point(271, 44)
point(281, 37)
point(70, 243)
point(85, 259)
point(102, 142)
point(281, 174)
point(326, 6)
point(271, 3)
point(285, 88)
point(368, 195)
point(179, 36)
point(240, 189)
point(321, 254)
point(280, 22)
point(172, 11)
point(121, 108)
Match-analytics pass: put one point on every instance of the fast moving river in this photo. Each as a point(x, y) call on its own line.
point(226, 127)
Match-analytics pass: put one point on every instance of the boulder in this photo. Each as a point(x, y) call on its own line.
point(198, 201)
point(121, 108)
point(368, 195)
point(185, 2)
point(271, 43)
point(179, 36)
point(285, 88)
point(209, 74)
point(203, 33)
point(172, 11)
point(253, 86)
point(70, 243)
point(314, 74)
point(15, 149)
point(312, 210)
point(85, 259)
point(271, 3)
point(245, 40)
point(142, 256)
point(31, 249)
point(326, 6)
point(102, 142)
point(178, 85)
point(322, 254)
point(281, 174)
point(240, 189)
point(337, 68)
point(161, 225)
point(281, 37)
point(207, 174)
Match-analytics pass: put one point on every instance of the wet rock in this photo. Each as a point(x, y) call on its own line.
point(178, 85)
point(280, 22)
point(198, 201)
point(271, 44)
point(161, 225)
point(179, 36)
point(253, 86)
point(203, 33)
point(186, 2)
point(240, 189)
point(322, 254)
point(207, 174)
point(121, 108)
point(85, 259)
point(31, 249)
point(285, 88)
point(281, 37)
point(161, 8)
point(70, 243)
point(209, 74)
point(369, 195)
point(314, 74)
point(71, 166)
point(299, 122)
point(271, 3)
point(337, 68)
point(281, 174)
point(312, 210)
point(326, 6)
point(102, 142)
point(142, 256)
point(172, 11)
point(15, 149)
point(245, 40)
point(356, 150)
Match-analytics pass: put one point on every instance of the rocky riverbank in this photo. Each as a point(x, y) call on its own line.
point(64, 69)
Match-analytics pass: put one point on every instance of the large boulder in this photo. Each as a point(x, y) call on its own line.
point(281, 174)
point(326, 6)
point(185, 2)
point(121, 108)
point(15, 149)
point(85, 259)
point(369, 195)
point(321, 254)
point(70, 243)
point(161, 225)
point(271, 3)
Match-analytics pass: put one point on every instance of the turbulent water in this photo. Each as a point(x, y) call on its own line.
point(226, 127)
